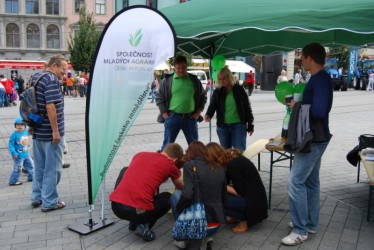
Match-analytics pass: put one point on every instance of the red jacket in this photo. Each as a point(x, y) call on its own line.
point(8, 85)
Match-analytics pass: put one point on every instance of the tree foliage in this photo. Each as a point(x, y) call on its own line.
point(83, 45)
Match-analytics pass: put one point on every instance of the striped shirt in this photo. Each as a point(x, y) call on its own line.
point(48, 92)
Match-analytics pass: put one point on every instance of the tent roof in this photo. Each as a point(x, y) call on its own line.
point(238, 27)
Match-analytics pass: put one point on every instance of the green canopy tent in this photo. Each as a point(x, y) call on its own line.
point(241, 28)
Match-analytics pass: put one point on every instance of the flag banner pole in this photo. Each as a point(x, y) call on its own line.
point(128, 52)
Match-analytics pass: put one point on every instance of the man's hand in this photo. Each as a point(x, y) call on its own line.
point(165, 115)
point(56, 137)
point(15, 156)
point(250, 133)
point(196, 114)
point(207, 118)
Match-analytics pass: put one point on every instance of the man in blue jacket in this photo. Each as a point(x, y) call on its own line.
point(303, 180)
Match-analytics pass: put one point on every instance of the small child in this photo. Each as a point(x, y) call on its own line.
point(18, 147)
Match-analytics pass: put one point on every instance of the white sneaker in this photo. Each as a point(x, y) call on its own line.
point(294, 239)
point(180, 244)
point(309, 230)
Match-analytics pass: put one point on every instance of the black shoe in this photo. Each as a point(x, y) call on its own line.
point(209, 245)
point(144, 232)
point(132, 226)
point(36, 204)
point(66, 165)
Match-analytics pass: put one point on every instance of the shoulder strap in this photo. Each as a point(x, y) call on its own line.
point(40, 77)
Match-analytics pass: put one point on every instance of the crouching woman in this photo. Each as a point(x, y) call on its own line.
point(212, 185)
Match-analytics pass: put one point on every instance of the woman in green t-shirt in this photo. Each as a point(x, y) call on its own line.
point(234, 112)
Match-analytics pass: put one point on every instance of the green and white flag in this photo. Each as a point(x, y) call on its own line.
point(133, 43)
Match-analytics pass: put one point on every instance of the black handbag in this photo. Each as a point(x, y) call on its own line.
point(365, 141)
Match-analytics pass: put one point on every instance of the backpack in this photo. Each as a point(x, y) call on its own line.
point(29, 108)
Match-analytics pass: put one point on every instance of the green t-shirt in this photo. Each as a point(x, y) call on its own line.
point(182, 95)
point(231, 112)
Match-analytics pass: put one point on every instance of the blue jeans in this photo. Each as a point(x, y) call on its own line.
point(153, 95)
point(304, 189)
point(18, 163)
point(235, 207)
point(47, 173)
point(233, 135)
point(174, 124)
point(2, 97)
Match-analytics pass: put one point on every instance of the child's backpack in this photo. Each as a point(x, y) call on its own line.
point(13, 95)
point(28, 108)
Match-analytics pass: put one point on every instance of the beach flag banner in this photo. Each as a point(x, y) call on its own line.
point(133, 43)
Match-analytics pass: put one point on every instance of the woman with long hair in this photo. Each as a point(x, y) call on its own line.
point(212, 185)
point(246, 198)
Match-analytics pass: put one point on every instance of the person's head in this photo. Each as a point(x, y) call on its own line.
point(250, 71)
point(236, 78)
point(174, 152)
point(58, 65)
point(19, 124)
point(313, 52)
point(180, 65)
point(198, 149)
point(217, 154)
point(225, 77)
point(283, 72)
point(233, 153)
point(1, 76)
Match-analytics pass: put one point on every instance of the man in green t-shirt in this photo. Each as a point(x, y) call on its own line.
point(181, 99)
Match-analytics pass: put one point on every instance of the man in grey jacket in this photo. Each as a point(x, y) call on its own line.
point(181, 98)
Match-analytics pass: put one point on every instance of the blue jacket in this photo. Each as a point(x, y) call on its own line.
point(18, 144)
point(319, 94)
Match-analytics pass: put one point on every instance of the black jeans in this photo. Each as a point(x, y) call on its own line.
point(161, 207)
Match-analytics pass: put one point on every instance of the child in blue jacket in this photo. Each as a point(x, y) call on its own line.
point(18, 147)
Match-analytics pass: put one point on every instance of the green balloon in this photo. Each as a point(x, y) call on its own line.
point(215, 75)
point(299, 88)
point(282, 90)
point(218, 62)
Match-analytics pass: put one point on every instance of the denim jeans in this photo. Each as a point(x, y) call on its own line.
point(235, 207)
point(304, 189)
point(2, 97)
point(47, 173)
point(153, 95)
point(18, 163)
point(233, 135)
point(174, 124)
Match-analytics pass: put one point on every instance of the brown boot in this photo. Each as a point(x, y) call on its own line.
point(240, 228)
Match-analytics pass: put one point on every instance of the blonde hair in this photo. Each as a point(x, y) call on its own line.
point(226, 72)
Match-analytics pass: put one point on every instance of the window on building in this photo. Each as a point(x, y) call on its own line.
point(53, 37)
point(33, 36)
point(52, 7)
point(32, 6)
point(12, 35)
point(152, 3)
point(11, 6)
point(78, 4)
point(137, 2)
point(100, 7)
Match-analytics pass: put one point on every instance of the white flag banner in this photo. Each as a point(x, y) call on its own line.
point(133, 43)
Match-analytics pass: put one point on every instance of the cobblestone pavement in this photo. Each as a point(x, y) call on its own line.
point(343, 201)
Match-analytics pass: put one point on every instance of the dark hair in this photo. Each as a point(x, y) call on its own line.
point(197, 149)
point(174, 150)
point(217, 154)
point(2, 76)
point(233, 153)
point(180, 59)
point(316, 51)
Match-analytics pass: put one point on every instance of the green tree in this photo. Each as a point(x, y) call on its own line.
point(83, 46)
